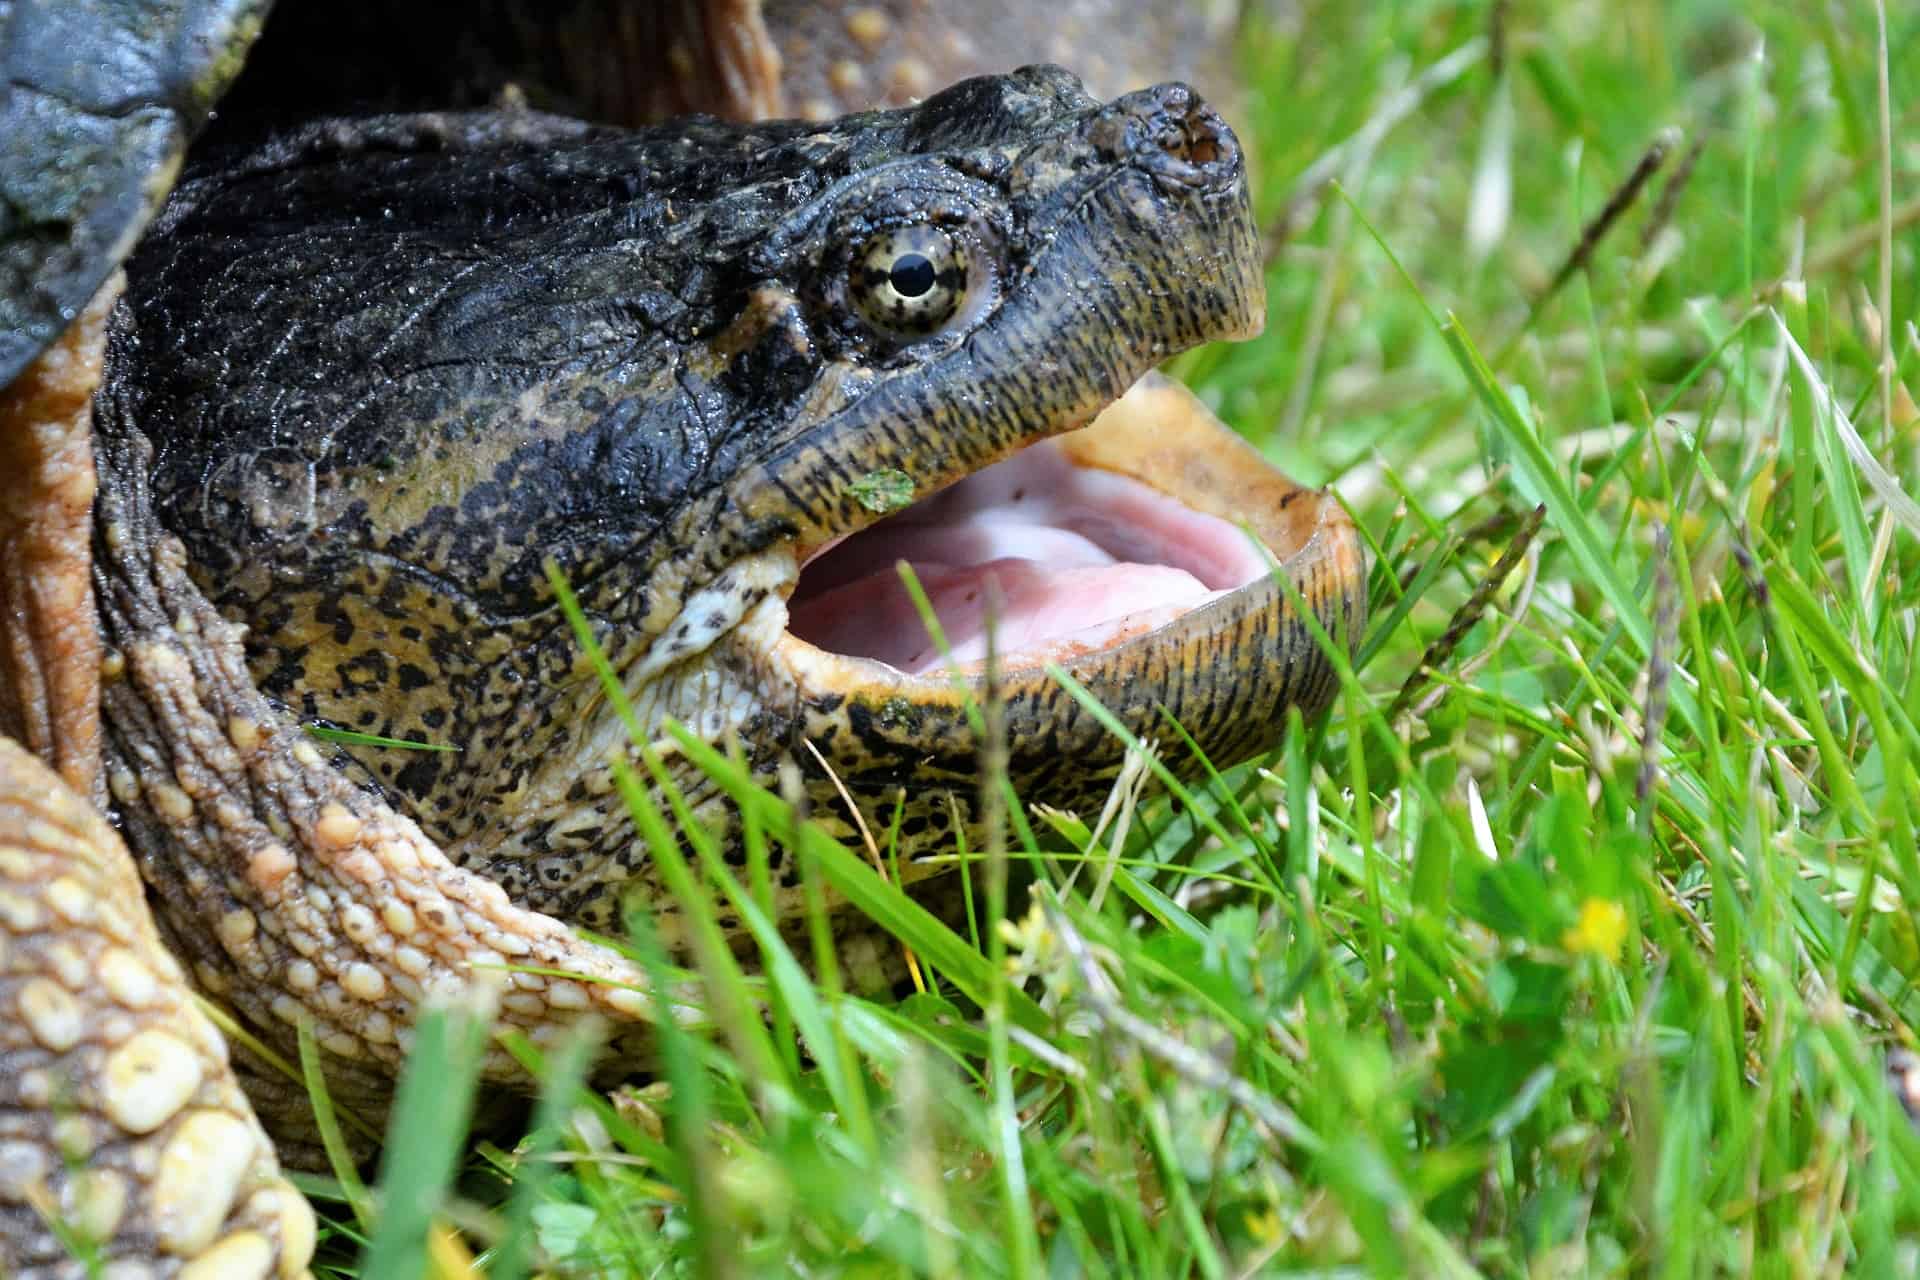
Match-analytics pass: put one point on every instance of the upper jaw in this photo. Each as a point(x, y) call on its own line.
point(1138, 243)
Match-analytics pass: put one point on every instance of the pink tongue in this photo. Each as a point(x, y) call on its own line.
point(1043, 611)
point(1081, 559)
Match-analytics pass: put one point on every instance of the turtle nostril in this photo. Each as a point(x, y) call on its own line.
point(1168, 131)
point(1199, 146)
point(1190, 130)
point(1203, 129)
point(1206, 145)
point(1172, 124)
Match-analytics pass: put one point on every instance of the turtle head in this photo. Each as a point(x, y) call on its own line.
point(722, 377)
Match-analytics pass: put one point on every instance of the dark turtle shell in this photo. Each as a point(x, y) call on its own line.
point(100, 101)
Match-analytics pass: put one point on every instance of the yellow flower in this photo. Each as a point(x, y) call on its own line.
point(1029, 942)
point(1600, 931)
point(447, 1255)
point(1265, 1226)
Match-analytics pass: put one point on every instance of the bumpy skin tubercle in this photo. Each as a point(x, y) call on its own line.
point(123, 1133)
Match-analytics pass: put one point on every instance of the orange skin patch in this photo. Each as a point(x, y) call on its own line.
point(50, 636)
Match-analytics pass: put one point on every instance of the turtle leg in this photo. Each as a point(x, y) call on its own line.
point(292, 895)
point(123, 1133)
point(49, 635)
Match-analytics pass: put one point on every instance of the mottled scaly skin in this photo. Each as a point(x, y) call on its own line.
point(368, 377)
point(287, 891)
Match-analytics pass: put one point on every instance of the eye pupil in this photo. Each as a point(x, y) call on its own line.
point(912, 275)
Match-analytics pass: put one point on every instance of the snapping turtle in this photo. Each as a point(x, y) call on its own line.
point(372, 376)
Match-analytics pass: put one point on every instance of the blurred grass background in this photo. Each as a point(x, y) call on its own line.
point(1588, 954)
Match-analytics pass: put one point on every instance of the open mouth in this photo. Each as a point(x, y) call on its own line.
point(1077, 545)
point(1061, 559)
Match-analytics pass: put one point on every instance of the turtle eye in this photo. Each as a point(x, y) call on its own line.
point(909, 282)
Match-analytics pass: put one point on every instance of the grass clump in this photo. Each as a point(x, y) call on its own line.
point(1575, 941)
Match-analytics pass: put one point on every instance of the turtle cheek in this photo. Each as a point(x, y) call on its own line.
point(765, 355)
